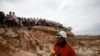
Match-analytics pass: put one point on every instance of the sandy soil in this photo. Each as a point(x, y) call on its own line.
point(39, 41)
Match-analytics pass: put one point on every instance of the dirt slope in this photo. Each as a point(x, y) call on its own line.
point(38, 41)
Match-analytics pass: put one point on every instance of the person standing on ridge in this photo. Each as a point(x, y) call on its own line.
point(9, 19)
point(62, 47)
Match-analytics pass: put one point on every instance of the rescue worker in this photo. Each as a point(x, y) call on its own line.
point(62, 47)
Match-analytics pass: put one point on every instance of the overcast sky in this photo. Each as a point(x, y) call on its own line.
point(82, 15)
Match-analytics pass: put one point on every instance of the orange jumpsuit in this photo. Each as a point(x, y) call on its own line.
point(67, 50)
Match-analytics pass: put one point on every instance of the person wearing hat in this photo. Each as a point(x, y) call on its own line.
point(62, 47)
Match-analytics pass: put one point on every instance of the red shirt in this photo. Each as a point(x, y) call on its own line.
point(65, 51)
point(9, 17)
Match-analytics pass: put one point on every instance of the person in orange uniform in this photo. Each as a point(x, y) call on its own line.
point(62, 47)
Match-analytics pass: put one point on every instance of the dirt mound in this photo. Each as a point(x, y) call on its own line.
point(36, 41)
point(39, 41)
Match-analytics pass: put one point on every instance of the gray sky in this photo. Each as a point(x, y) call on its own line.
point(82, 15)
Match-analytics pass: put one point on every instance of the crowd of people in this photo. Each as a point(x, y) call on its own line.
point(11, 20)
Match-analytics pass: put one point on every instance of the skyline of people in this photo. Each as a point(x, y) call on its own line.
point(12, 20)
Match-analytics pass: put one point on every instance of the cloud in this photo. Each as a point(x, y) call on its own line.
point(94, 30)
point(81, 15)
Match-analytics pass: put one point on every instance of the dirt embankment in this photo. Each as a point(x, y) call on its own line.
point(36, 41)
point(39, 41)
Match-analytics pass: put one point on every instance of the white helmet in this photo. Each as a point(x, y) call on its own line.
point(62, 34)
